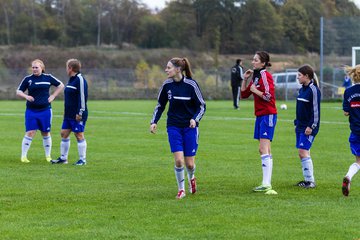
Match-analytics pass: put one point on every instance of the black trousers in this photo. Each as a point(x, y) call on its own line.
point(236, 95)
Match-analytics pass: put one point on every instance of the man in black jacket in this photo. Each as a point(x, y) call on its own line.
point(236, 79)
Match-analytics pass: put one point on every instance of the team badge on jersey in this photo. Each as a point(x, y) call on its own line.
point(169, 94)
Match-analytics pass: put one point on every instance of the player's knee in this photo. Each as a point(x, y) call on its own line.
point(31, 133)
point(179, 162)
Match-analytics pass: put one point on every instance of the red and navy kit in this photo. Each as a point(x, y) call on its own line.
point(266, 104)
point(351, 104)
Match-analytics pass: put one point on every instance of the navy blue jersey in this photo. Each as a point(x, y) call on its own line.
point(38, 87)
point(351, 104)
point(308, 108)
point(185, 102)
point(76, 94)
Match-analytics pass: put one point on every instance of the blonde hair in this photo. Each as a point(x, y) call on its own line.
point(41, 63)
point(74, 64)
point(354, 73)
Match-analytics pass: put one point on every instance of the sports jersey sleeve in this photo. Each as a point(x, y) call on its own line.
point(241, 73)
point(23, 85)
point(160, 106)
point(199, 100)
point(247, 93)
point(315, 113)
point(54, 81)
point(82, 95)
point(346, 103)
point(266, 82)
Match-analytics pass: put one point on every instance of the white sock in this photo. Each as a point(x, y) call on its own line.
point(308, 169)
point(25, 145)
point(191, 172)
point(47, 143)
point(353, 169)
point(180, 175)
point(64, 148)
point(82, 149)
point(267, 164)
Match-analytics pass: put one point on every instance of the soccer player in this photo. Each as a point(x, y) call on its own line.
point(351, 107)
point(75, 113)
point(186, 108)
point(262, 88)
point(38, 114)
point(307, 122)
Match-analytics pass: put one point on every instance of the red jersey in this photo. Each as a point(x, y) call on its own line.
point(264, 82)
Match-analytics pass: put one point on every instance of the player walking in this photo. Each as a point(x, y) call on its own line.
point(186, 108)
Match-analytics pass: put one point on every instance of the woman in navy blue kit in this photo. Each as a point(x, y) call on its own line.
point(75, 113)
point(186, 108)
point(351, 107)
point(307, 121)
point(38, 114)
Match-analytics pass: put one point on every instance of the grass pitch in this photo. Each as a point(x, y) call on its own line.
point(128, 188)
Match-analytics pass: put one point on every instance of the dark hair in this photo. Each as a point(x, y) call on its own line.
point(238, 61)
point(309, 71)
point(264, 58)
point(183, 64)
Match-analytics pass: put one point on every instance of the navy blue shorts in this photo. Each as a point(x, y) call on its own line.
point(74, 125)
point(183, 140)
point(354, 140)
point(41, 120)
point(265, 127)
point(304, 141)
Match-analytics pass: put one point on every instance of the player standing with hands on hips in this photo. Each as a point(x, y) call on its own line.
point(262, 88)
point(307, 121)
point(186, 108)
point(75, 113)
point(351, 107)
point(38, 114)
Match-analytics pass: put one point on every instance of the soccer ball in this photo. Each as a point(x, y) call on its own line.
point(283, 106)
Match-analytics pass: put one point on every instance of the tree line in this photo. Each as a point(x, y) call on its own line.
point(226, 26)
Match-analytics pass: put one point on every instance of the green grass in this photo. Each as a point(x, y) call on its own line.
point(128, 188)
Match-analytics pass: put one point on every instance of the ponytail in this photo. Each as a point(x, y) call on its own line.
point(183, 64)
point(316, 80)
point(187, 68)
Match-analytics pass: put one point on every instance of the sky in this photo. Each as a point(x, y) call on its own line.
point(161, 3)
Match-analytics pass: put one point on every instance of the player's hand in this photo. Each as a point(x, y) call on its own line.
point(78, 117)
point(192, 123)
point(30, 98)
point(248, 73)
point(253, 88)
point(153, 128)
point(51, 98)
point(308, 131)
